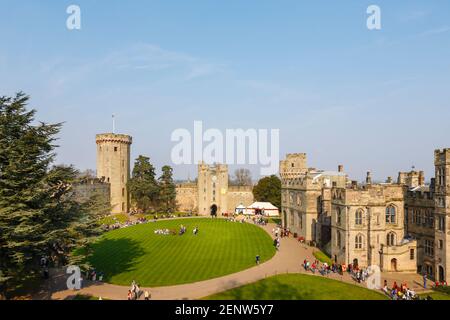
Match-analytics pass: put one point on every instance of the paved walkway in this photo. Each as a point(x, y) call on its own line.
point(287, 260)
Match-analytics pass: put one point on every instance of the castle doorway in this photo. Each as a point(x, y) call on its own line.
point(355, 263)
point(441, 274)
point(214, 211)
point(394, 264)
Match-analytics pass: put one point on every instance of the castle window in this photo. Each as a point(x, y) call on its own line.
point(390, 214)
point(429, 248)
point(339, 216)
point(441, 223)
point(391, 239)
point(123, 206)
point(338, 239)
point(358, 217)
point(123, 192)
point(115, 149)
point(359, 241)
point(411, 254)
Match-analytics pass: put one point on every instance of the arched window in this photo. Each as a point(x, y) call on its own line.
point(359, 241)
point(390, 214)
point(391, 239)
point(358, 217)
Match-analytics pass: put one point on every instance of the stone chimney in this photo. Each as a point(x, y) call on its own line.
point(389, 180)
point(354, 184)
point(340, 168)
point(421, 178)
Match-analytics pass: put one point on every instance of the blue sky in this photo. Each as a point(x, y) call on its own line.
point(371, 100)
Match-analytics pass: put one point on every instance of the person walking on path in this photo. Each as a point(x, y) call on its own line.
point(257, 259)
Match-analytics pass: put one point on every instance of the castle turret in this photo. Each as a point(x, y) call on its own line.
point(442, 214)
point(113, 164)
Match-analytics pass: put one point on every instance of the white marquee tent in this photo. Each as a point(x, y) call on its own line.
point(264, 208)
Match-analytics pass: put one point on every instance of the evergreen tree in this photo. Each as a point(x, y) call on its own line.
point(268, 189)
point(38, 216)
point(167, 194)
point(143, 186)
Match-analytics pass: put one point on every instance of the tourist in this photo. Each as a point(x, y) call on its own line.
point(137, 291)
point(129, 296)
point(425, 280)
point(385, 288)
point(395, 286)
point(146, 295)
point(257, 259)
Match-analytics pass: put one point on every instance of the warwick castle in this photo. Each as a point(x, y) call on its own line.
point(400, 225)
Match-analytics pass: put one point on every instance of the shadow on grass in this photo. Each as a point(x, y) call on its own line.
point(115, 256)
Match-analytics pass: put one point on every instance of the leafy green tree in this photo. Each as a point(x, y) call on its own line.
point(268, 189)
point(38, 215)
point(167, 190)
point(143, 186)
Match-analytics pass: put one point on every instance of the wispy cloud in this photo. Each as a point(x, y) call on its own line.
point(434, 31)
point(141, 59)
point(415, 15)
point(153, 58)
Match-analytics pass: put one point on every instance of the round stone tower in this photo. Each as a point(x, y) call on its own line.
point(113, 164)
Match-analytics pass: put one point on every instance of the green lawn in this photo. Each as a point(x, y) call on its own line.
point(299, 287)
point(436, 295)
point(220, 248)
point(322, 257)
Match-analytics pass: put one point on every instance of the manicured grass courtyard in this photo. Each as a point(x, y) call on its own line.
point(299, 287)
point(220, 248)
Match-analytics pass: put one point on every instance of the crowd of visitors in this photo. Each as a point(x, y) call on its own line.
point(135, 292)
point(126, 224)
point(259, 220)
point(401, 292)
point(93, 275)
point(164, 232)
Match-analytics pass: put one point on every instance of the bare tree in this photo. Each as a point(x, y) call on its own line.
point(242, 177)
